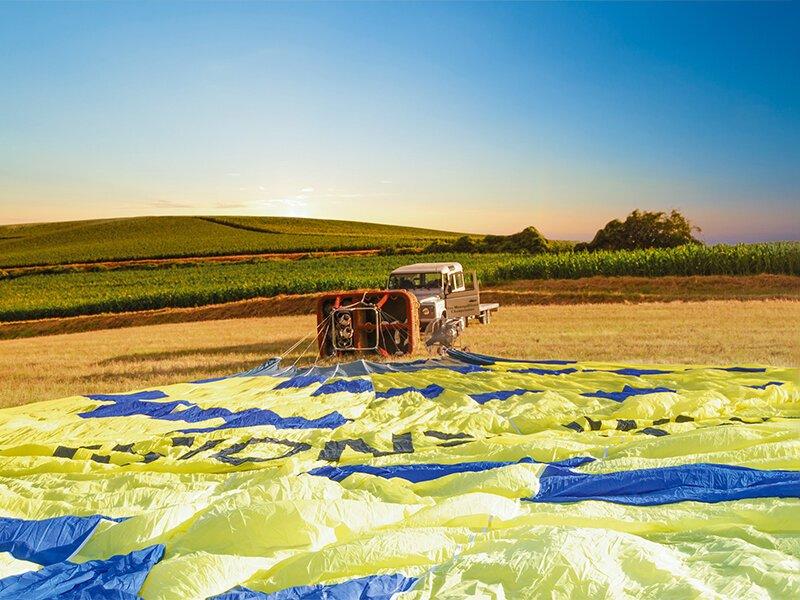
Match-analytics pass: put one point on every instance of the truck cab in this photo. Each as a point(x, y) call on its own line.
point(430, 283)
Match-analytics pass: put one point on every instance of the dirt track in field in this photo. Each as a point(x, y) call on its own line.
point(601, 290)
point(188, 260)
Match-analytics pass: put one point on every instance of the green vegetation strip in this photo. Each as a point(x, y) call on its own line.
point(80, 293)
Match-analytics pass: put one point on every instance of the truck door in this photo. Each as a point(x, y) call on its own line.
point(466, 303)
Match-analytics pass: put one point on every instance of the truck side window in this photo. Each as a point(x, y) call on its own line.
point(458, 280)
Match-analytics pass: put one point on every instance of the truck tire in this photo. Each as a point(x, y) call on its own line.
point(485, 317)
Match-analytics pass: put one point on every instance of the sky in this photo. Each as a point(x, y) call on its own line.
point(478, 117)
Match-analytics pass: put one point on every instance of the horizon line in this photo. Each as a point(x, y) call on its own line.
point(212, 216)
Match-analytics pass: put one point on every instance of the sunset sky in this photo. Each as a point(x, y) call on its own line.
point(469, 117)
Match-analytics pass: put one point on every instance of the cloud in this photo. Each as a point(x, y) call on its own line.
point(307, 190)
point(294, 202)
point(164, 203)
point(292, 206)
point(230, 204)
point(347, 195)
point(234, 174)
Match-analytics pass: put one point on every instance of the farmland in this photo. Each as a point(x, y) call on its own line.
point(160, 237)
point(128, 289)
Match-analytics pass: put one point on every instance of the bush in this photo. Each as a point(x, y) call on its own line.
point(643, 229)
point(438, 246)
point(527, 241)
point(465, 244)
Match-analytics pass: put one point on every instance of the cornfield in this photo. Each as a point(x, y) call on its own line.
point(742, 259)
point(120, 290)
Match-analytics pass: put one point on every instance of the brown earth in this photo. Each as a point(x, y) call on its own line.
point(646, 289)
point(282, 305)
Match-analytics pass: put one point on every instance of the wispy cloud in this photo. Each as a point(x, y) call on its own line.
point(164, 203)
point(292, 202)
point(346, 195)
point(230, 204)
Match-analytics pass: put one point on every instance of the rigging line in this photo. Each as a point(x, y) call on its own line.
point(392, 319)
point(389, 318)
point(311, 341)
point(322, 337)
point(302, 354)
point(300, 341)
point(296, 344)
point(361, 302)
point(379, 332)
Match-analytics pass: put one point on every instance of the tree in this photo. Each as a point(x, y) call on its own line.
point(465, 244)
point(644, 229)
point(527, 241)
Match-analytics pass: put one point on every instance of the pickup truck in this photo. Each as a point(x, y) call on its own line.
point(441, 291)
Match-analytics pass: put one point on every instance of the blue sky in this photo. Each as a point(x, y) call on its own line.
point(473, 117)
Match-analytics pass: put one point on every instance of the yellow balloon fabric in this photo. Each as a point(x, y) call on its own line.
point(466, 477)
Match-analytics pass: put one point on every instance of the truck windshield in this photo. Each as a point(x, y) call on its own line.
point(416, 281)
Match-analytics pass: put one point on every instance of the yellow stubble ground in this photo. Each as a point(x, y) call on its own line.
point(712, 332)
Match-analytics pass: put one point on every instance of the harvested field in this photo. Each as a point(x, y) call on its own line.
point(714, 332)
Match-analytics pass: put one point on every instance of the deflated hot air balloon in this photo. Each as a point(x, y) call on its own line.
point(465, 477)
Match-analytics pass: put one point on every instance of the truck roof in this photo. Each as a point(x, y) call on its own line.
point(441, 267)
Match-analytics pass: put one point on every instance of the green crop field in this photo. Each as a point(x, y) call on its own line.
point(172, 237)
point(742, 259)
point(77, 293)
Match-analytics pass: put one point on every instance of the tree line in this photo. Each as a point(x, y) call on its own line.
point(640, 230)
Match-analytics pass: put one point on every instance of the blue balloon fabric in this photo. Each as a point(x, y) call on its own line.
point(117, 578)
point(667, 485)
point(373, 587)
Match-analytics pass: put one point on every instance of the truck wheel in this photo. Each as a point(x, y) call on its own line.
point(485, 317)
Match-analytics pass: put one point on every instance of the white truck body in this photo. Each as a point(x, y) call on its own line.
point(441, 292)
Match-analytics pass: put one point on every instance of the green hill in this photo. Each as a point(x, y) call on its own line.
point(168, 237)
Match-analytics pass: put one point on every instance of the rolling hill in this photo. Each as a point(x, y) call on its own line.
point(172, 237)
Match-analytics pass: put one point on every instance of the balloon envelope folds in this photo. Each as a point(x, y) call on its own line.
point(465, 477)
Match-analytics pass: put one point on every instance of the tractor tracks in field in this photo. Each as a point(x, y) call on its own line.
point(157, 263)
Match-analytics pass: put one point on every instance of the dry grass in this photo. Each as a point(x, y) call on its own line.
point(118, 359)
point(716, 332)
point(281, 305)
